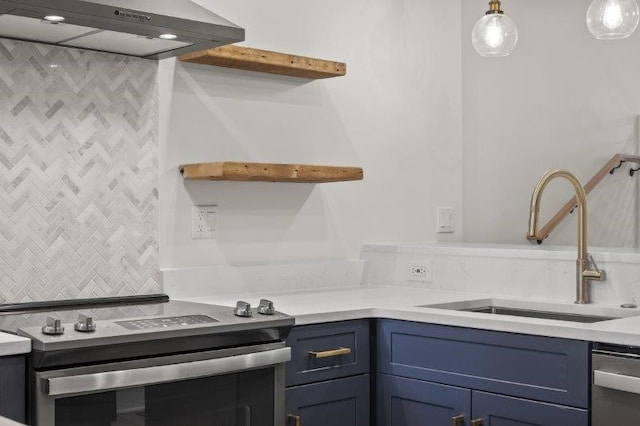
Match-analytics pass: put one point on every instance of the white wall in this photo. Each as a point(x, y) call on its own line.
point(562, 99)
point(397, 114)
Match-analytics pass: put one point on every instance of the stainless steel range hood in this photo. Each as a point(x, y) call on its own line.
point(153, 29)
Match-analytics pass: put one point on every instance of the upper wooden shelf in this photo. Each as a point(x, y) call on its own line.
point(247, 58)
point(270, 172)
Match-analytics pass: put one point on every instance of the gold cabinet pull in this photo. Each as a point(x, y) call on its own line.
point(476, 422)
point(457, 420)
point(295, 420)
point(328, 354)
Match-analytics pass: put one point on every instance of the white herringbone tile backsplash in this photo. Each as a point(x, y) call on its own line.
point(78, 174)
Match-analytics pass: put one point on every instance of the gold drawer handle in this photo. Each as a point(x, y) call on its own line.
point(457, 420)
point(295, 420)
point(331, 353)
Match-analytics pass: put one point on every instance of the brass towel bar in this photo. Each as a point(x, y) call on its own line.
point(610, 167)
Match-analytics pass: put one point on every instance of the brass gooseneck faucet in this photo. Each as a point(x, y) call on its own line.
point(583, 271)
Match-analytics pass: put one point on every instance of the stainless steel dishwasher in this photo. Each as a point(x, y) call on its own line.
point(615, 389)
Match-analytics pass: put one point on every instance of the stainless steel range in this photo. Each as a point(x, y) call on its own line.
point(150, 361)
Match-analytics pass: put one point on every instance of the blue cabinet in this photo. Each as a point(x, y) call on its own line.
point(340, 402)
point(13, 387)
point(328, 378)
point(409, 402)
point(426, 374)
point(500, 410)
point(433, 375)
point(401, 401)
point(532, 367)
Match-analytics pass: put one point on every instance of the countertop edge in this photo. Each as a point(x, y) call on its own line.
point(14, 345)
point(387, 303)
point(571, 332)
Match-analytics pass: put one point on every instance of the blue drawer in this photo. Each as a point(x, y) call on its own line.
point(340, 402)
point(539, 368)
point(328, 351)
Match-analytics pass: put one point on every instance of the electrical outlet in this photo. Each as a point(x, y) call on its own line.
point(419, 272)
point(204, 222)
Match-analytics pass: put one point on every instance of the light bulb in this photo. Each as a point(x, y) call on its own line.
point(612, 19)
point(494, 34)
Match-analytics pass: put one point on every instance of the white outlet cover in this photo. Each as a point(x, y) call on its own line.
point(204, 222)
point(419, 271)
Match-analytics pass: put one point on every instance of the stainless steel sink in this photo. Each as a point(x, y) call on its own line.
point(499, 310)
point(541, 310)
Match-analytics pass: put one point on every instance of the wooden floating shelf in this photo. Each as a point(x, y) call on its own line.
point(247, 58)
point(270, 172)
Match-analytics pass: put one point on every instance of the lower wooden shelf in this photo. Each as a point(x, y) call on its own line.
point(270, 172)
point(251, 59)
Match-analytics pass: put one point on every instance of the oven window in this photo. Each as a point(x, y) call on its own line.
point(239, 399)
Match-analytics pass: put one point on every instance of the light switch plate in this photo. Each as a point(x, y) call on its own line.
point(445, 220)
point(204, 222)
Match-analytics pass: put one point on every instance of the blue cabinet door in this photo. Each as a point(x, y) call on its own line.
point(410, 402)
point(340, 402)
point(499, 410)
point(12, 387)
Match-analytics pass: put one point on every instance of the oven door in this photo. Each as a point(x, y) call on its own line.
point(229, 387)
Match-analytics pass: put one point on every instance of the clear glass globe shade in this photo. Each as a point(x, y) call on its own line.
point(494, 34)
point(612, 19)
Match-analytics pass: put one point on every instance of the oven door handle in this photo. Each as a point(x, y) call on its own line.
point(110, 380)
point(616, 381)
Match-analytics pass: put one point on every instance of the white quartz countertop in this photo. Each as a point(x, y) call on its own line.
point(401, 303)
point(10, 344)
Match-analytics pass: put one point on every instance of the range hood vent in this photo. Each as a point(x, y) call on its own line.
point(152, 29)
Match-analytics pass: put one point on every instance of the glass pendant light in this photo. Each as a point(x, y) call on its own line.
point(495, 34)
point(612, 19)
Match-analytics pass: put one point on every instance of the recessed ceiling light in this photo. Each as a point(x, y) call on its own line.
point(168, 36)
point(54, 18)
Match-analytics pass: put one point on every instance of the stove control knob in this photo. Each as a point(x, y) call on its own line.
point(243, 309)
point(53, 327)
point(266, 307)
point(84, 324)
